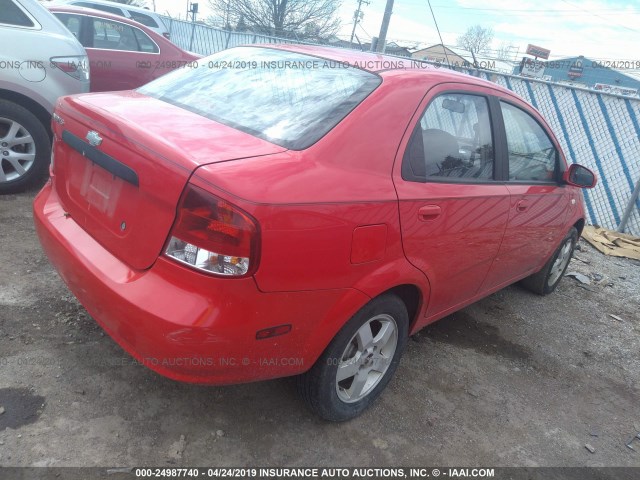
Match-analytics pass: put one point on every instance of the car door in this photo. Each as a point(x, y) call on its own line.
point(539, 201)
point(122, 56)
point(453, 207)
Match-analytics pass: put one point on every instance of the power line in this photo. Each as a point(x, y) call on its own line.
point(528, 10)
point(357, 17)
point(585, 10)
point(439, 35)
point(367, 33)
point(531, 12)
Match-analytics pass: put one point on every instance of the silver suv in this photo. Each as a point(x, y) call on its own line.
point(40, 60)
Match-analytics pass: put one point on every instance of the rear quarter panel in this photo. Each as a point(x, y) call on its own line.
point(309, 203)
point(26, 66)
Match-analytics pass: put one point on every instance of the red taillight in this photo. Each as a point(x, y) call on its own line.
point(213, 235)
point(76, 67)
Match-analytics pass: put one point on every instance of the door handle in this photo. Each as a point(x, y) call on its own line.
point(429, 212)
point(522, 206)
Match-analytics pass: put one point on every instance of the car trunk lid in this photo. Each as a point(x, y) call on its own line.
point(122, 161)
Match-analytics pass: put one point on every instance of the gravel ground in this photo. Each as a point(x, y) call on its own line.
point(513, 380)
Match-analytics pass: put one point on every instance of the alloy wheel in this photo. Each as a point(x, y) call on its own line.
point(17, 150)
point(366, 358)
point(561, 262)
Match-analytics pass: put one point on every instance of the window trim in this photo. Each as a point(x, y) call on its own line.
point(505, 159)
point(497, 178)
point(36, 25)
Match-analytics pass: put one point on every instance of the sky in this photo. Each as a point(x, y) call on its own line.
point(597, 29)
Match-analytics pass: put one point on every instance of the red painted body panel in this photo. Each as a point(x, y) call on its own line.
point(537, 216)
point(185, 325)
point(369, 243)
point(338, 226)
point(456, 249)
point(162, 158)
point(452, 232)
point(125, 70)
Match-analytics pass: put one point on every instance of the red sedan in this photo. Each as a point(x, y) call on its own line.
point(123, 54)
point(297, 210)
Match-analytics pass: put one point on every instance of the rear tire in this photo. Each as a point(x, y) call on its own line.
point(546, 280)
point(25, 148)
point(359, 362)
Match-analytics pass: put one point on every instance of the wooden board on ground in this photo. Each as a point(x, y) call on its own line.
point(612, 243)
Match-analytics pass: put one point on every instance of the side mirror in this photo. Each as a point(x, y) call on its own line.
point(579, 176)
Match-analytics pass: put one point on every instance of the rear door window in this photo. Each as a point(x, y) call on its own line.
point(11, 14)
point(111, 35)
point(452, 141)
point(532, 155)
point(145, 43)
point(72, 22)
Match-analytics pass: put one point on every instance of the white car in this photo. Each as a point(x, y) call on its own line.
point(141, 15)
point(40, 60)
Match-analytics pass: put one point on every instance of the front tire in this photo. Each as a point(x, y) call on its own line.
point(25, 148)
point(546, 280)
point(359, 362)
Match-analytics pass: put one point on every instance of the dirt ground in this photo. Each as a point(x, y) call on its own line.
point(514, 380)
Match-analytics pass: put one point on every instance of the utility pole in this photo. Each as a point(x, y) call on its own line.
point(382, 38)
point(357, 16)
point(194, 12)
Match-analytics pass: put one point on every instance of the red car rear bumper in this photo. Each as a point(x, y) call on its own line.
point(186, 325)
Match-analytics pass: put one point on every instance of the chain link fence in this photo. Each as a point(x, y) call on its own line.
point(205, 40)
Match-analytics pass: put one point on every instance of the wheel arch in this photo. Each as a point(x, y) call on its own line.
point(412, 297)
point(34, 107)
point(411, 294)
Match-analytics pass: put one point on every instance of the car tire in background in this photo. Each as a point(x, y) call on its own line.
point(25, 148)
point(359, 362)
point(546, 280)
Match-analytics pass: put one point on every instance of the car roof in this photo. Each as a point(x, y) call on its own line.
point(113, 4)
point(379, 63)
point(102, 14)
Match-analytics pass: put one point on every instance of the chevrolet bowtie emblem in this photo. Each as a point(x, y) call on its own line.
point(94, 138)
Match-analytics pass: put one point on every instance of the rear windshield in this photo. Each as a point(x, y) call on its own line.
point(286, 98)
point(97, 6)
point(143, 19)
